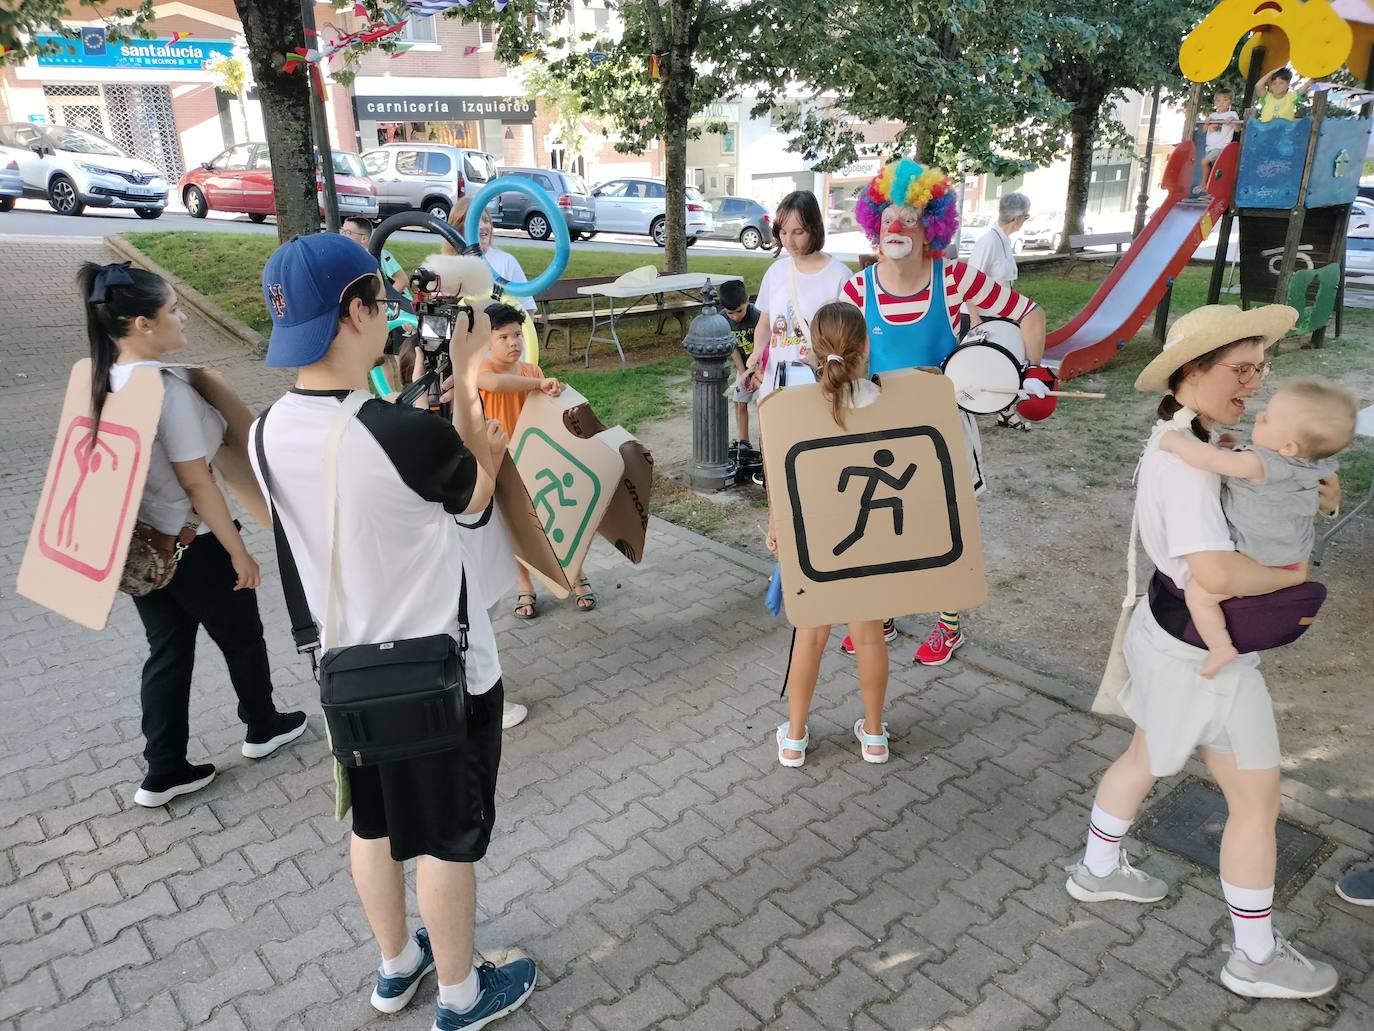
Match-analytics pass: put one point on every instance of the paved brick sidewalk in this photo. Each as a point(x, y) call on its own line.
point(650, 854)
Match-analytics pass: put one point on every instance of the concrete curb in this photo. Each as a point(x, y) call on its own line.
point(192, 298)
point(1075, 697)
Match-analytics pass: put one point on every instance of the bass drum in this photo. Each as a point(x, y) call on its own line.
point(987, 367)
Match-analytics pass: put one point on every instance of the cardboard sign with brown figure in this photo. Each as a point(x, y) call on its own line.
point(876, 518)
point(76, 551)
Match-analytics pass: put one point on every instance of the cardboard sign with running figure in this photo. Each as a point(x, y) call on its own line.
point(566, 479)
point(876, 518)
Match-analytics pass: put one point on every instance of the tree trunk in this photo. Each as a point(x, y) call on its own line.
point(676, 93)
point(1082, 126)
point(273, 27)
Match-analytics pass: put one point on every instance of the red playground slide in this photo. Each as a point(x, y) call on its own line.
point(1123, 303)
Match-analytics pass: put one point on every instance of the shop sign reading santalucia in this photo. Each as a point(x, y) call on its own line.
point(434, 109)
point(93, 50)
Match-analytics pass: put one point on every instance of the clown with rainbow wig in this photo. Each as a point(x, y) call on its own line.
point(914, 300)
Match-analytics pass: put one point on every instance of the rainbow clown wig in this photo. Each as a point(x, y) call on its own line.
point(904, 182)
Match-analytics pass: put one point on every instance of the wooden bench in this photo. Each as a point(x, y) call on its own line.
point(1086, 240)
point(549, 322)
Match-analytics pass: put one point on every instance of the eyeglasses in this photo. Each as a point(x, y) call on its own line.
point(1248, 371)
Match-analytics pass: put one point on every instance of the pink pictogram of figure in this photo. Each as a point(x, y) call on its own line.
point(87, 454)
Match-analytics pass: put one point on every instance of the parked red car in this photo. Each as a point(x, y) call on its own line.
point(240, 179)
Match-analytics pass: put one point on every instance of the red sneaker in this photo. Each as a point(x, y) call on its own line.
point(889, 635)
point(939, 646)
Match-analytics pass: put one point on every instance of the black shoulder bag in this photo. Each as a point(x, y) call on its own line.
point(382, 702)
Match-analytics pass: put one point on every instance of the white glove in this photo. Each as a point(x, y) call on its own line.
point(1032, 387)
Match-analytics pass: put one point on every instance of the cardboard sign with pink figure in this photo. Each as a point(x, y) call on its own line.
point(86, 513)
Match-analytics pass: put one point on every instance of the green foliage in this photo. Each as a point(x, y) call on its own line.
point(21, 22)
point(230, 73)
point(634, 396)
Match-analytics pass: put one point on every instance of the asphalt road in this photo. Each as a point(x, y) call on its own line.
point(35, 220)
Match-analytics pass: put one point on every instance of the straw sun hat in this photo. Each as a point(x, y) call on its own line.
point(1209, 327)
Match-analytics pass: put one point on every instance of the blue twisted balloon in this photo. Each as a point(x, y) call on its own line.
point(562, 241)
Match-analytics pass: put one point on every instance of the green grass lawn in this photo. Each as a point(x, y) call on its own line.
point(227, 267)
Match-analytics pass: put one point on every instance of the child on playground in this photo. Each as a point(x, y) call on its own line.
point(839, 340)
point(744, 319)
point(503, 382)
point(1280, 99)
point(1220, 128)
point(1269, 490)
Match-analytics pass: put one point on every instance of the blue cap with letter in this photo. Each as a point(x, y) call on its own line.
point(302, 283)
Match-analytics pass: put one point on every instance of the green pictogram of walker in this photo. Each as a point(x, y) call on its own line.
point(563, 490)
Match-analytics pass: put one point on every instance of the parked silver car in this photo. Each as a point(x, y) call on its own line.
point(11, 183)
point(638, 206)
point(425, 176)
point(75, 169)
point(516, 211)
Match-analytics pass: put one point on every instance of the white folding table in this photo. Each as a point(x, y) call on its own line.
point(689, 284)
point(1364, 427)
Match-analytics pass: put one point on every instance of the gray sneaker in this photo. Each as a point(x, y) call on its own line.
point(1124, 884)
point(1287, 974)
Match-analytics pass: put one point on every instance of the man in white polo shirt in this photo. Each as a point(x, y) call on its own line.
point(403, 475)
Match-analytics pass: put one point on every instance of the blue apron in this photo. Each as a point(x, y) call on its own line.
point(927, 341)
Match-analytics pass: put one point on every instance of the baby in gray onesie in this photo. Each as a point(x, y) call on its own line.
point(1269, 490)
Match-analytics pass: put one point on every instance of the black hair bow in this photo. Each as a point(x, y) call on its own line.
point(111, 275)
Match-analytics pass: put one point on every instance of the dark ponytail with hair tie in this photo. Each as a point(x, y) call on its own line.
point(115, 296)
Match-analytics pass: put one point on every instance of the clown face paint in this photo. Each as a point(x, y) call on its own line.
point(902, 232)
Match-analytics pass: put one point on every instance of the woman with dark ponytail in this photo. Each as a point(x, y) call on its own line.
point(133, 318)
point(839, 339)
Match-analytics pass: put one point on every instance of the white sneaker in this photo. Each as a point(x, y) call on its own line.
point(512, 715)
point(1124, 884)
point(1286, 974)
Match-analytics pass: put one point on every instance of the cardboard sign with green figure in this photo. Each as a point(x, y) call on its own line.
point(579, 479)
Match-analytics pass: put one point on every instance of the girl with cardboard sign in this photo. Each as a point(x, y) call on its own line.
point(840, 342)
point(189, 567)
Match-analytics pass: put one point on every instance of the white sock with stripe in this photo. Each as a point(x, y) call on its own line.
point(1105, 832)
point(1252, 919)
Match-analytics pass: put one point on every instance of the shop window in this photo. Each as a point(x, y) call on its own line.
point(410, 162)
point(486, 33)
point(1108, 187)
point(727, 141)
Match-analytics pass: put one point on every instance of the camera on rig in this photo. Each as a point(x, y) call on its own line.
point(443, 287)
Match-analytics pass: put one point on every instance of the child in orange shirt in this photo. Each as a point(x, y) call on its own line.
point(503, 382)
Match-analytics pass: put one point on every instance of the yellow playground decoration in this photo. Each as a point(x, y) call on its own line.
point(1316, 36)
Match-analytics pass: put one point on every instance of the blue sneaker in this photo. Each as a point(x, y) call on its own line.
point(1357, 888)
point(393, 993)
point(503, 989)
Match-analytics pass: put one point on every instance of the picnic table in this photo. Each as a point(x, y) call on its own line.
point(635, 290)
point(1364, 427)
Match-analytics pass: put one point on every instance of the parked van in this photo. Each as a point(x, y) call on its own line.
point(425, 176)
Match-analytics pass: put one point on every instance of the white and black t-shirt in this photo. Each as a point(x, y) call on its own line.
point(403, 476)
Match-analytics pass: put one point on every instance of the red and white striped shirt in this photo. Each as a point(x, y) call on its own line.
point(965, 288)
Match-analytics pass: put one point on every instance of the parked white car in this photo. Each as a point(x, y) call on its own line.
point(11, 183)
point(638, 206)
point(75, 169)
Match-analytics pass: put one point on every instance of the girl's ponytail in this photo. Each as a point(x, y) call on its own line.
point(839, 337)
point(114, 296)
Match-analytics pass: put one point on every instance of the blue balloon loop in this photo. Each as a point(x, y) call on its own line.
point(540, 196)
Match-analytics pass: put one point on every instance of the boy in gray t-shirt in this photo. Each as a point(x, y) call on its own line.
point(1269, 490)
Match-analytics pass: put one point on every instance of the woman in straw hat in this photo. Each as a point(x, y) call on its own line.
point(1213, 361)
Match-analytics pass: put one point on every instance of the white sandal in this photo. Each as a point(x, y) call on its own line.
point(784, 742)
point(871, 740)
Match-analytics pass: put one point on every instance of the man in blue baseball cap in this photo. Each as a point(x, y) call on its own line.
point(400, 477)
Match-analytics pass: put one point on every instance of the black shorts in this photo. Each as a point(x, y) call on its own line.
point(441, 805)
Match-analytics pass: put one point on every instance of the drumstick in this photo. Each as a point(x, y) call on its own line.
point(1049, 393)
